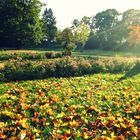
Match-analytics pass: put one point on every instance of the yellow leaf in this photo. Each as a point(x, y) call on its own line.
point(78, 133)
point(104, 132)
point(112, 135)
point(68, 131)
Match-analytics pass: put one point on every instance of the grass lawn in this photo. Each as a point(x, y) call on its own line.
point(101, 53)
point(88, 107)
point(86, 53)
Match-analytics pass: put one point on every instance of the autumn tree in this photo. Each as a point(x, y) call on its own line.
point(134, 37)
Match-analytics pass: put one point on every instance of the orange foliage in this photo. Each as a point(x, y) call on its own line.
point(134, 35)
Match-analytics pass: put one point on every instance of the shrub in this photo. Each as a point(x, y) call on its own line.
point(66, 67)
point(51, 55)
point(116, 65)
point(21, 56)
point(1, 77)
point(19, 71)
point(67, 49)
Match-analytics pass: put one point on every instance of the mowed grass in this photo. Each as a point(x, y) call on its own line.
point(88, 107)
point(102, 53)
point(86, 53)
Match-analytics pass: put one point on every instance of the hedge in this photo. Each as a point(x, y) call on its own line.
point(64, 67)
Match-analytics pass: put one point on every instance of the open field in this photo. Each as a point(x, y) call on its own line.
point(90, 107)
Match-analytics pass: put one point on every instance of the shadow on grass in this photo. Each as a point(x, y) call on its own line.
point(134, 71)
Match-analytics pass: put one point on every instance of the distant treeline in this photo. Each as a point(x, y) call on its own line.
point(22, 26)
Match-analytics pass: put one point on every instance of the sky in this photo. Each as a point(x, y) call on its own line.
point(66, 11)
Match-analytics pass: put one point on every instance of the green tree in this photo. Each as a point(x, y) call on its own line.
point(59, 39)
point(125, 33)
point(105, 23)
point(49, 26)
point(86, 20)
point(114, 31)
point(81, 34)
point(106, 19)
point(131, 17)
point(75, 24)
point(20, 24)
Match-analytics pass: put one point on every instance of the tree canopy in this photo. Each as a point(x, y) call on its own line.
point(112, 30)
point(106, 19)
point(20, 23)
point(49, 26)
point(81, 34)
